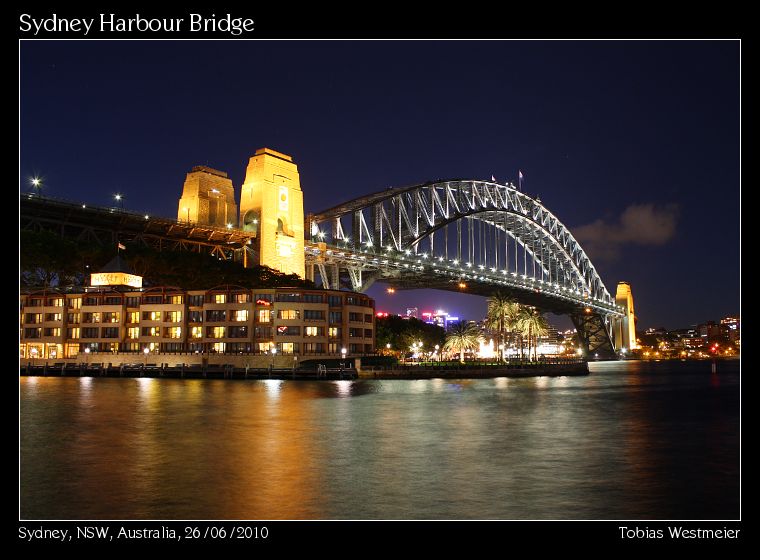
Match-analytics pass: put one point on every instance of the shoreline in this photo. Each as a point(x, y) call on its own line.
point(330, 374)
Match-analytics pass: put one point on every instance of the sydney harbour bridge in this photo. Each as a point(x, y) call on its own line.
point(470, 236)
point(463, 235)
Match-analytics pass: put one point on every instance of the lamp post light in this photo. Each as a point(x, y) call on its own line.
point(36, 183)
point(388, 348)
point(87, 356)
point(120, 199)
point(146, 351)
point(438, 353)
point(501, 351)
point(274, 353)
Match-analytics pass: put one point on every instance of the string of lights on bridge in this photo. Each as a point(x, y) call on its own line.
point(461, 270)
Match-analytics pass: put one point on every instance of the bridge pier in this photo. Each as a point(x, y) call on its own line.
point(593, 334)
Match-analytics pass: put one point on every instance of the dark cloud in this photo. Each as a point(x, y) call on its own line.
point(639, 224)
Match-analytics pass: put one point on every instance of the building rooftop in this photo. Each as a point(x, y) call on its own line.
point(274, 153)
point(209, 170)
point(117, 264)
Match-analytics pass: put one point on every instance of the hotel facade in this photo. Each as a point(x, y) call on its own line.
point(122, 326)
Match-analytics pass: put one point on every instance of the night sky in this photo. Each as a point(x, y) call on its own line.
point(633, 145)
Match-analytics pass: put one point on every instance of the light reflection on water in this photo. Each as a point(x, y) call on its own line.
point(646, 441)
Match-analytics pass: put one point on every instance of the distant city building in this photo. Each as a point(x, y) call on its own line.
point(412, 312)
point(439, 317)
point(552, 336)
point(709, 330)
point(731, 328)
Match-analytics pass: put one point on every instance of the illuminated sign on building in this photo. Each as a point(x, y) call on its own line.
point(115, 279)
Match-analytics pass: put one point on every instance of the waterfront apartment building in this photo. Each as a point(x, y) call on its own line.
point(58, 324)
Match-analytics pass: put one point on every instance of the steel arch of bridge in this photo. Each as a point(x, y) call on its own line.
point(441, 233)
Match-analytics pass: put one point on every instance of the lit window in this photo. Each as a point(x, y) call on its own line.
point(263, 315)
point(220, 298)
point(174, 332)
point(75, 303)
point(175, 299)
point(288, 314)
point(133, 332)
point(240, 315)
point(312, 331)
point(334, 332)
point(95, 317)
point(111, 317)
point(173, 316)
point(217, 332)
point(133, 317)
point(196, 332)
point(154, 331)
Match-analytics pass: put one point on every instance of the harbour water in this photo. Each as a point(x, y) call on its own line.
point(634, 440)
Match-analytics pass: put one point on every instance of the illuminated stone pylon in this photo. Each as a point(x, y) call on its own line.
point(271, 204)
point(208, 198)
point(625, 333)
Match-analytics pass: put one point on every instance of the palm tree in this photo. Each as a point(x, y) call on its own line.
point(502, 315)
point(462, 336)
point(534, 324)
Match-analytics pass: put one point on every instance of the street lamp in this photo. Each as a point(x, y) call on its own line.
point(388, 348)
point(274, 353)
point(343, 352)
point(501, 350)
point(36, 183)
point(438, 353)
point(87, 356)
point(120, 199)
point(146, 351)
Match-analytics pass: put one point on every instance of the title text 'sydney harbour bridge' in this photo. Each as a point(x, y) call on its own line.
point(463, 235)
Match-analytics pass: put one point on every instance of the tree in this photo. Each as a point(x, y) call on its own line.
point(533, 324)
point(401, 333)
point(462, 336)
point(46, 259)
point(502, 315)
